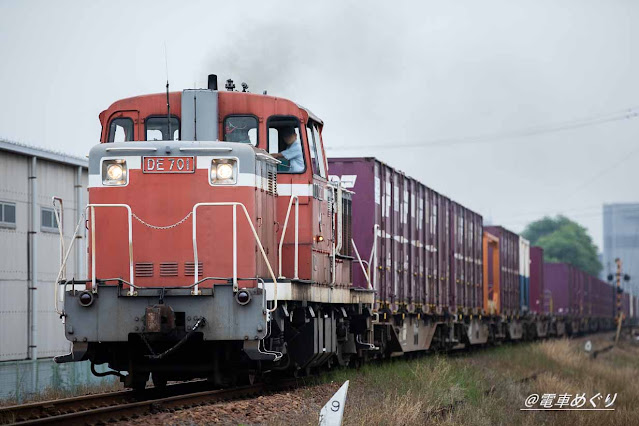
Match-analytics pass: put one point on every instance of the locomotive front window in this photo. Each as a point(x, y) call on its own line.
point(285, 144)
point(157, 128)
point(240, 128)
point(121, 130)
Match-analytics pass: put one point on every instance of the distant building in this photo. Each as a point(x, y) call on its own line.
point(621, 240)
point(30, 241)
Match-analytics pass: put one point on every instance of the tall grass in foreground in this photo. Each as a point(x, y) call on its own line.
point(489, 387)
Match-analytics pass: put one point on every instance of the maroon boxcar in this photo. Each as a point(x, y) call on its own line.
point(557, 282)
point(575, 293)
point(537, 280)
point(508, 269)
point(424, 249)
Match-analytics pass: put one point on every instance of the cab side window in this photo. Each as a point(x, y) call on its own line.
point(159, 128)
point(284, 137)
point(121, 130)
point(241, 128)
point(315, 149)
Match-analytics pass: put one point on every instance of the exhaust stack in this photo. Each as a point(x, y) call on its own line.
point(212, 82)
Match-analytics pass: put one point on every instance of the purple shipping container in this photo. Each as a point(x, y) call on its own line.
point(602, 299)
point(428, 248)
point(537, 280)
point(559, 279)
point(509, 269)
point(575, 293)
point(467, 272)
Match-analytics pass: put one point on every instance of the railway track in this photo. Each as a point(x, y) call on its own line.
point(129, 404)
point(126, 405)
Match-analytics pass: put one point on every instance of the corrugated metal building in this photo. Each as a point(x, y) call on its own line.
point(30, 246)
point(621, 240)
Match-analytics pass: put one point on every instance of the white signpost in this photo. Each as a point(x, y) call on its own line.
point(333, 412)
point(588, 346)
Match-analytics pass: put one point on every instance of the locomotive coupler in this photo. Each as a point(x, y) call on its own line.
point(159, 319)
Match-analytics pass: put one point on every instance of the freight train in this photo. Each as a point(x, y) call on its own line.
point(220, 247)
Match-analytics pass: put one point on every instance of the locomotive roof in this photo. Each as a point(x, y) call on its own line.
point(134, 101)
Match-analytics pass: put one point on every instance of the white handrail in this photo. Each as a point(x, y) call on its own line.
point(338, 211)
point(64, 262)
point(288, 212)
point(131, 148)
point(60, 221)
point(361, 264)
point(337, 236)
point(94, 288)
point(257, 239)
point(373, 257)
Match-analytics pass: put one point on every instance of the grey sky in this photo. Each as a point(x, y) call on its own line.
point(379, 73)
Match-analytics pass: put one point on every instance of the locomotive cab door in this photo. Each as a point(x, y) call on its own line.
point(323, 223)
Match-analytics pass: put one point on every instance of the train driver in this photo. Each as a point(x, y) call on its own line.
point(293, 151)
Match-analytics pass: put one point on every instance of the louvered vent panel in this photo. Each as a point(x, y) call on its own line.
point(271, 178)
point(189, 269)
point(144, 269)
point(169, 269)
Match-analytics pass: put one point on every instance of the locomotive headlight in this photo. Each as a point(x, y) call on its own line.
point(114, 172)
point(223, 171)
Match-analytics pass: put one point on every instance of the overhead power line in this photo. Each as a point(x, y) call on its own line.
point(599, 174)
point(625, 114)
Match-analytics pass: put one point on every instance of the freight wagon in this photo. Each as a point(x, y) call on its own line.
point(539, 323)
point(424, 256)
point(579, 301)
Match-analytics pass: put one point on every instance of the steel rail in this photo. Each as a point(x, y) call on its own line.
point(123, 405)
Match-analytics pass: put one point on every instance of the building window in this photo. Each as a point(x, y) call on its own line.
point(48, 221)
point(7, 214)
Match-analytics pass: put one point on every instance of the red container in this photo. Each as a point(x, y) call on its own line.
point(428, 254)
point(509, 269)
point(537, 279)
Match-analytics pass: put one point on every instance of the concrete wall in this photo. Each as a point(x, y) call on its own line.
point(53, 179)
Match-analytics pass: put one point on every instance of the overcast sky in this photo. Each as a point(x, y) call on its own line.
point(467, 76)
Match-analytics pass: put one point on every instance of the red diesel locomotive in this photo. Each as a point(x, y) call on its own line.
point(219, 248)
point(208, 255)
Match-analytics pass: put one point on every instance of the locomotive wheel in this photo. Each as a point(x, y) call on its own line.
point(159, 380)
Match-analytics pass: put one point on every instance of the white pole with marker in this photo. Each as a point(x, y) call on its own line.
point(333, 412)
